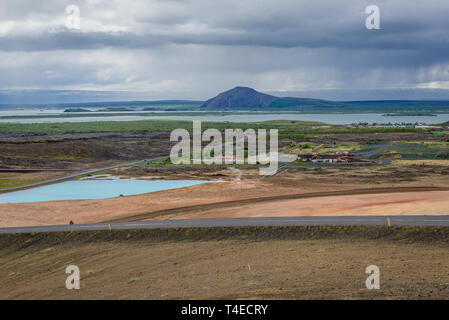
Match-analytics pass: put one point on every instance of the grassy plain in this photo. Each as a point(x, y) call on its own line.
point(10, 183)
point(286, 128)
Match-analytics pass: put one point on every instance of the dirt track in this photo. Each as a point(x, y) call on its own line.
point(198, 209)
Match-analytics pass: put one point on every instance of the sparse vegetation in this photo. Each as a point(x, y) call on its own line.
point(286, 128)
point(11, 183)
point(443, 155)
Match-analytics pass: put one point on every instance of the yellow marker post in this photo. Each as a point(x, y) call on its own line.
point(109, 227)
point(389, 225)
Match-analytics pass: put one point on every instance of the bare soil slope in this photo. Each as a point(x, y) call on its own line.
point(130, 265)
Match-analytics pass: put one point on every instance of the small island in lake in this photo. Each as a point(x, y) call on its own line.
point(76, 110)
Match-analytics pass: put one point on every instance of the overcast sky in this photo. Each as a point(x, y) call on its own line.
point(193, 49)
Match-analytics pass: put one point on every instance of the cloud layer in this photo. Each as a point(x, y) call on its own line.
point(191, 49)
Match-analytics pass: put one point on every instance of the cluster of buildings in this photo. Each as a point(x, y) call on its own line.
point(340, 157)
point(417, 125)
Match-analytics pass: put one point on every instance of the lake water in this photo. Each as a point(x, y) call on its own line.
point(322, 117)
point(255, 117)
point(93, 189)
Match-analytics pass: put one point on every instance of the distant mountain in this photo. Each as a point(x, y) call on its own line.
point(240, 98)
point(294, 103)
point(65, 98)
point(248, 98)
point(107, 104)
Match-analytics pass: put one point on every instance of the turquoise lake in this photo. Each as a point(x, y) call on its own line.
point(93, 189)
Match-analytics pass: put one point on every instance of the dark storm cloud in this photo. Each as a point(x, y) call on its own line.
point(324, 28)
point(337, 24)
point(194, 48)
